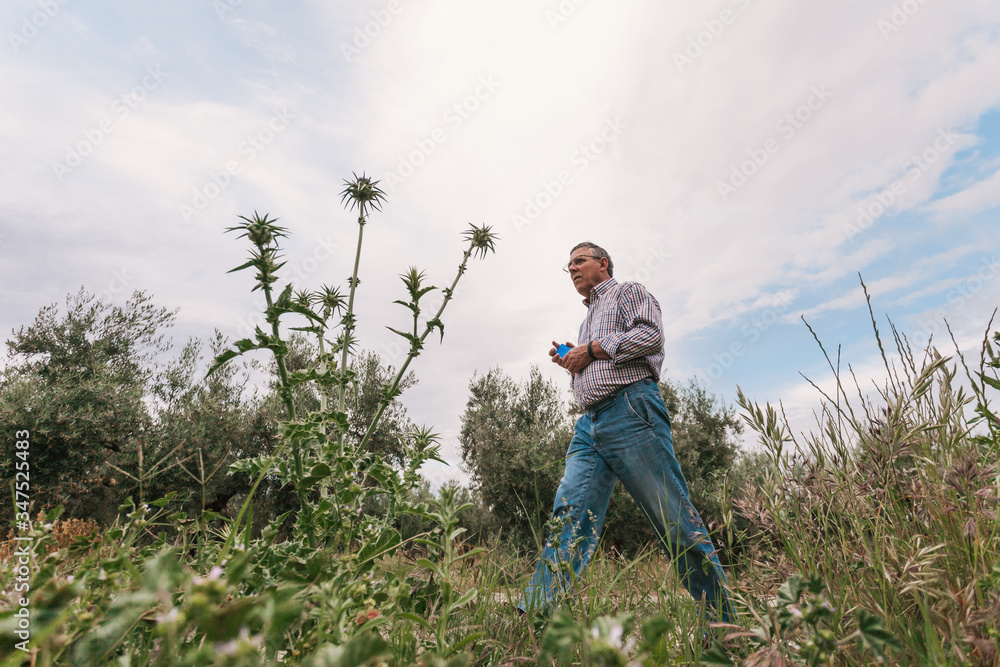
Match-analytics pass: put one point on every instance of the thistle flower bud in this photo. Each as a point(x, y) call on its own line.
point(362, 191)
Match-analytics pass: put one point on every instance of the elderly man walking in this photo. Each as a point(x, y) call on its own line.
point(623, 434)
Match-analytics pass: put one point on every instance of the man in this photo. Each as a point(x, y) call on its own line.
point(623, 434)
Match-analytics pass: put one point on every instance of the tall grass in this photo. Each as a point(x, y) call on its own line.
point(891, 504)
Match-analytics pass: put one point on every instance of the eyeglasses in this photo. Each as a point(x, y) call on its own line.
point(577, 261)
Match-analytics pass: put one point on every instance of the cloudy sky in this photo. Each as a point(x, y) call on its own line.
point(745, 159)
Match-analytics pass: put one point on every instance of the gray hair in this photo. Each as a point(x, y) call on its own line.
point(599, 253)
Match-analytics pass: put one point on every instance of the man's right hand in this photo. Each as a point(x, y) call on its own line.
point(554, 353)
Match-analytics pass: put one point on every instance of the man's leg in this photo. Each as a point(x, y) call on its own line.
point(580, 505)
point(635, 439)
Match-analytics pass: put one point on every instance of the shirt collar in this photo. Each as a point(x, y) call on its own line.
point(598, 290)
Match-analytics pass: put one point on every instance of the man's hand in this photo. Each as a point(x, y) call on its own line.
point(577, 358)
point(554, 353)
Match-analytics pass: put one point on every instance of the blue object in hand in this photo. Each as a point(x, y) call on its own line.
point(562, 350)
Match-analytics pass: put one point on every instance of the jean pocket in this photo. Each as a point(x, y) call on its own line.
point(637, 406)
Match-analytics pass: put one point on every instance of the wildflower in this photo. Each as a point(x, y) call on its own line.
point(102, 575)
point(615, 636)
point(365, 616)
point(69, 578)
point(227, 648)
point(245, 644)
point(168, 617)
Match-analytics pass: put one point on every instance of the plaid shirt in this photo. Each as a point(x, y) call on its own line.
point(625, 319)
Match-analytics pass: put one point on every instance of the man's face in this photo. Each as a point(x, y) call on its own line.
point(585, 271)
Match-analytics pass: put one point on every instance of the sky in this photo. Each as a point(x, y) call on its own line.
point(749, 161)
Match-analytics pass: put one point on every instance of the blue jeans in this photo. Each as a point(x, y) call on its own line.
point(626, 437)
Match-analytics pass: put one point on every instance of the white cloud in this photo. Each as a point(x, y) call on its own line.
point(983, 195)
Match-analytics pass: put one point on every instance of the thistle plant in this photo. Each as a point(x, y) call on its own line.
point(803, 624)
point(263, 233)
point(336, 545)
point(443, 557)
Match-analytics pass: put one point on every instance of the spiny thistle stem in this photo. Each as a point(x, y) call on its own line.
point(364, 193)
point(263, 233)
point(286, 393)
point(349, 322)
point(322, 400)
point(286, 396)
point(322, 369)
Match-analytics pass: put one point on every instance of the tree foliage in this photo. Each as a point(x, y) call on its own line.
point(76, 382)
point(513, 439)
point(205, 424)
point(109, 419)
